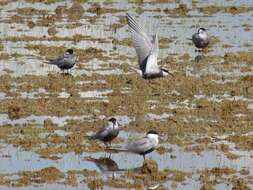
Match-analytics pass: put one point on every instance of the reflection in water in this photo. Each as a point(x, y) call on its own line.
point(104, 164)
point(107, 164)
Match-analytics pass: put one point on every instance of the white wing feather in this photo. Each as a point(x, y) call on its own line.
point(142, 43)
point(151, 65)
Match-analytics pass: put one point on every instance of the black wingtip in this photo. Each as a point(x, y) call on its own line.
point(129, 17)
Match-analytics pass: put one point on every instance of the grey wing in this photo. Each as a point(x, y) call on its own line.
point(151, 64)
point(155, 44)
point(195, 38)
point(142, 43)
point(58, 61)
point(140, 146)
point(199, 42)
point(102, 133)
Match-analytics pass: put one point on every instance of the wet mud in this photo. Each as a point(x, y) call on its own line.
point(204, 112)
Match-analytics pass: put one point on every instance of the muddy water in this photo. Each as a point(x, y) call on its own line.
point(204, 112)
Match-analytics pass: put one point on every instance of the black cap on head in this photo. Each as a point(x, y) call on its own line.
point(152, 132)
point(113, 120)
point(202, 29)
point(70, 51)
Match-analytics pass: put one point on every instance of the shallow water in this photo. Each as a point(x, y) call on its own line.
point(204, 112)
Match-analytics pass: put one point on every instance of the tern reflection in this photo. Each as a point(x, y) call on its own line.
point(104, 164)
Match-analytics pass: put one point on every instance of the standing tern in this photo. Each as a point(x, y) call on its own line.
point(65, 61)
point(141, 146)
point(107, 133)
point(200, 38)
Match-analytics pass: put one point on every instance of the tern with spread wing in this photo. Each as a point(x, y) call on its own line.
point(147, 51)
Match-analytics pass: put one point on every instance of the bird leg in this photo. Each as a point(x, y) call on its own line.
point(106, 146)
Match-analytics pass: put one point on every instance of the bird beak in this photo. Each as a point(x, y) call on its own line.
point(121, 126)
point(171, 74)
point(162, 138)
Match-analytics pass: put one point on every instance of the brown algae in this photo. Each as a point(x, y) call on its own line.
point(202, 98)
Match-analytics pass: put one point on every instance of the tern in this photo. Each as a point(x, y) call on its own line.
point(107, 133)
point(147, 51)
point(145, 145)
point(65, 61)
point(141, 146)
point(200, 38)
